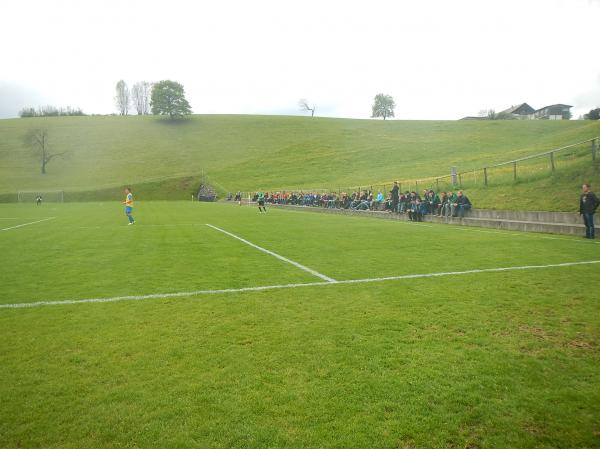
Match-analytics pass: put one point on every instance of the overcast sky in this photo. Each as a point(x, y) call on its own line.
point(439, 59)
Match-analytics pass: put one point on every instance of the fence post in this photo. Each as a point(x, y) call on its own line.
point(485, 175)
point(594, 148)
point(552, 160)
point(515, 170)
point(437, 184)
point(417, 186)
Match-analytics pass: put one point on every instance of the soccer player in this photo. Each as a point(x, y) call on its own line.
point(261, 202)
point(129, 205)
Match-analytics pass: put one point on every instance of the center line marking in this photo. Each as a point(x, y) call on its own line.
point(286, 286)
point(285, 259)
point(27, 224)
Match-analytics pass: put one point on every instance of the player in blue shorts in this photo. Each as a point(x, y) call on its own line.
point(129, 205)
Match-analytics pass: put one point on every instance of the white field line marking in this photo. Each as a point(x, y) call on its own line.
point(286, 286)
point(285, 259)
point(27, 224)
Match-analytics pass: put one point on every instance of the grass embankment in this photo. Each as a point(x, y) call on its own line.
point(484, 360)
point(273, 152)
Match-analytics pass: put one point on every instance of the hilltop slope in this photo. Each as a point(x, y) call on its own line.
point(269, 152)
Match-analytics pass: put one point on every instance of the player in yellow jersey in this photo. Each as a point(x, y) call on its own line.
point(129, 205)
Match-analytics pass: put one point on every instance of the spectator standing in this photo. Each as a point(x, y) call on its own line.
point(395, 197)
point(588, 203)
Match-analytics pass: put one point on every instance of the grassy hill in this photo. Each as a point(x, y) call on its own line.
point(164, 160)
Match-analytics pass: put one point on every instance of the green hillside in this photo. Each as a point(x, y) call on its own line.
point(279, 152)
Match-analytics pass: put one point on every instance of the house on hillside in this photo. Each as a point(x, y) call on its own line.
point(553, 112)
point(521, 111)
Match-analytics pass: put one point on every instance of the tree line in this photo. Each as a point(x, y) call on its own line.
point(165, 97)
point(50, 111)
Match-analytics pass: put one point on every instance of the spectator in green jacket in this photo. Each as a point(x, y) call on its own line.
point(450, 200)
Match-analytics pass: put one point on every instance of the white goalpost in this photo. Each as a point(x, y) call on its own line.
point(47, 196)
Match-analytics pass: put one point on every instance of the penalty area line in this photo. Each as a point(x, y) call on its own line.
point(288, 286)
point(271, 253)
point(27, 224)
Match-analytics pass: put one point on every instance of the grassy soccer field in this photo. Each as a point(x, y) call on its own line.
point(464, 356)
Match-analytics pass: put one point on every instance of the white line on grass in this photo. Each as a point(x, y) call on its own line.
point(286, 286)
point(285, 259)
point(27, 224)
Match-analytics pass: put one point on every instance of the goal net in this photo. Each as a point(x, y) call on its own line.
point(47, 196)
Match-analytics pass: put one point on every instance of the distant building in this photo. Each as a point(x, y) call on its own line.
point(553, 112)
point(522, 111)
point(525, 112)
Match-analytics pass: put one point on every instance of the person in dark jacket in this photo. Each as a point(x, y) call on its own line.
point(588, 203)
point(395, 197)
point(462, 205)
point(433, 201)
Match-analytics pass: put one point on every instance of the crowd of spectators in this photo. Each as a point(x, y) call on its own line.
point(415, 205)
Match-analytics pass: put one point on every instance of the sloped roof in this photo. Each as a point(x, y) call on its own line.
point(512, 109)
point(552, 105)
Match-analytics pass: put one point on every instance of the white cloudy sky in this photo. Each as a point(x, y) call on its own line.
point(439, 59)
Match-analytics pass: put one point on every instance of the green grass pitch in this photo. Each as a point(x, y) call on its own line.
point(488, 359)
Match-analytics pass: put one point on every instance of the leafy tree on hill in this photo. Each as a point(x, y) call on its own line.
point(37, 139)
point(383, 106)
point(594, 114)
point(168, 98)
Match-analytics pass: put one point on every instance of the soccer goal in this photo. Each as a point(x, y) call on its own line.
point(47, 196)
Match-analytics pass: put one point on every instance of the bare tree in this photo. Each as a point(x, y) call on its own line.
point(122, 98)
point(304, 106)
point(38, 140)
point(140, 96)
